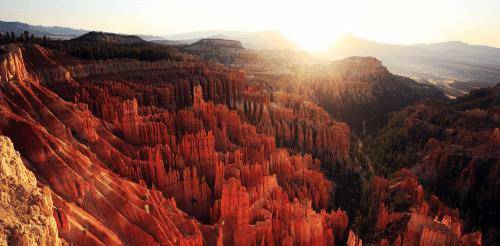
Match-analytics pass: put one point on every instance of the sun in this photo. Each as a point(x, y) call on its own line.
point(316, 26)
point(314, 41)
point(314, 34)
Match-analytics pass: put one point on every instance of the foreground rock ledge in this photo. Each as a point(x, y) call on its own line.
point(25, 210)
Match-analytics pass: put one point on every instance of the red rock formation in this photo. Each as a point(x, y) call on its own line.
point(188, 153)
point(12, 65)
point(422, 230)
point(353, 240)
point(418, 221)
point(126, 166)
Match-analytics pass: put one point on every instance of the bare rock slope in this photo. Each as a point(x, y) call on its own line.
point(25, 210)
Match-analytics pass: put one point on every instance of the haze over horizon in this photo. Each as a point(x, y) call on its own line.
point(314, 25)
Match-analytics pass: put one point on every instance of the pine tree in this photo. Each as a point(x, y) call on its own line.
point(26, 36)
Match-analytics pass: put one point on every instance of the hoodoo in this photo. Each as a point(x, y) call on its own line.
point(141, 164)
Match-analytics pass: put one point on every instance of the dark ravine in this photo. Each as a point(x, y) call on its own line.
point(453, 148)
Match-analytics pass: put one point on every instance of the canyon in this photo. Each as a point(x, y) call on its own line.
point(187, 151)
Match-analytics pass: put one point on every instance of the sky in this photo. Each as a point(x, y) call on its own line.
point(313, 24)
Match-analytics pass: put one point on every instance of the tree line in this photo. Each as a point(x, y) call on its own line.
point(11, 37)
point(97, 50)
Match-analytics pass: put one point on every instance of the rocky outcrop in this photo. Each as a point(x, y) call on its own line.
point(367, 69)
point(361, 90)
point(25, 209)
point(12, 66)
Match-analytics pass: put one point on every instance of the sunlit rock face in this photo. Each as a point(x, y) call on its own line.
point(25, 209)
point(12, 64)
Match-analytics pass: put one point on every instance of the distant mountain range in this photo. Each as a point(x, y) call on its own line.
point(264, 40)
point(454, 66)
point(52, 31)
